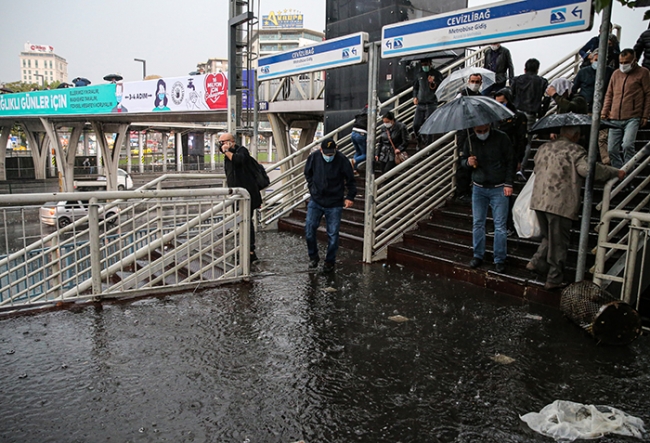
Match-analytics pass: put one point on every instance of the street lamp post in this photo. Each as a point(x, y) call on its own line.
point(144, 67)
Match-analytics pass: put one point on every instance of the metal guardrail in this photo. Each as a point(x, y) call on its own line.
point(410, 191)
point(636, 244)
point(309, 86)
point(613, 239)
point(145, 242)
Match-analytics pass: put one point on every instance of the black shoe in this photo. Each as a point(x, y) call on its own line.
point(500, 267)
point(313, 264)
point(328, 267)
point(520, 177)
point(475, 263)
point(254, 257)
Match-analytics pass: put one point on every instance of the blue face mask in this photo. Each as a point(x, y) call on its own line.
point(594, 65)
point(118, 98)
point(483, 137)
point(328, 158)
point(425, 68)
point(161, 96)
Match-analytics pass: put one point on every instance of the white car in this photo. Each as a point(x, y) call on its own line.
point(62, 213)
point(124, 180)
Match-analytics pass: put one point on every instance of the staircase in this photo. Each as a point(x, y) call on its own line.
point(440, 240)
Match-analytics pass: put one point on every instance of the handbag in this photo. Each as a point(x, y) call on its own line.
point(402, 156)
point(526, 222)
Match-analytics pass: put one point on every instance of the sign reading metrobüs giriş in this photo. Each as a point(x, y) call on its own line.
point(494, 23)
point(335, 53)
point(178, 94)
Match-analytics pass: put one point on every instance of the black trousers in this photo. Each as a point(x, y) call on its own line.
point(551, 254)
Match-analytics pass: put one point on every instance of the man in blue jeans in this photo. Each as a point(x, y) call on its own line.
point(328, 173)
point(491, 159)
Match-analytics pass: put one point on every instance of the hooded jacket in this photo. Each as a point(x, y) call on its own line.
point(628, 95)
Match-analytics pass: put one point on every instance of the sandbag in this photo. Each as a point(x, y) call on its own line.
point(567, 421)
point(525, 219)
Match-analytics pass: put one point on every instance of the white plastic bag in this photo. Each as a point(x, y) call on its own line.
point(566, 420)
point(525, 219)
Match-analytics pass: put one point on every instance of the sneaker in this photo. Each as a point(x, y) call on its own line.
point(254, 257)
point(520, 177)
point(328, 267)
point(554, 286)
point(500, 267)
point(313, 264)
point(531, 267)
point(475, 263)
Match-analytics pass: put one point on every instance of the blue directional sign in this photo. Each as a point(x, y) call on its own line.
point(342, 51)
point(498, 22)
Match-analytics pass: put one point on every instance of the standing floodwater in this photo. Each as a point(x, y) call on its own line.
point(369, 354)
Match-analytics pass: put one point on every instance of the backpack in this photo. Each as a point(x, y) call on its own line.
point(261, 177)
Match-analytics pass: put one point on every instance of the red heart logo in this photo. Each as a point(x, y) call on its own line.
point(216, 87)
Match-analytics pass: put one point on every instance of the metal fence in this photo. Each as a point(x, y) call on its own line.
point(120, 243)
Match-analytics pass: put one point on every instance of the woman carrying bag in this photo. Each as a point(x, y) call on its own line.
point(393, 141)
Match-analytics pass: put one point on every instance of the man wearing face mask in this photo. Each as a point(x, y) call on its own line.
point(238, 175)
point(490, 157)
point(627, 104)
point(498, 60)
point(424, 93)
point(328, 173)
point(585, 82)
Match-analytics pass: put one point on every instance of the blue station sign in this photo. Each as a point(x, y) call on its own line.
point(495, 23)
point(335, 53)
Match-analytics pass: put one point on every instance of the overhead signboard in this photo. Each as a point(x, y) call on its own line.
point(289, 18)
point(335, 53)
point(495, 23)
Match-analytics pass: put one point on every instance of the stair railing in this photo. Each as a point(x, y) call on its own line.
point(637, 241)
point(610, 239)
point(146, 242)
point(409, 192)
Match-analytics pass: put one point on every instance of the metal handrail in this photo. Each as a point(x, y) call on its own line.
point(78, 261)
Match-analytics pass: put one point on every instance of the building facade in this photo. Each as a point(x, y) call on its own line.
point(39, 64)
point(213, 65)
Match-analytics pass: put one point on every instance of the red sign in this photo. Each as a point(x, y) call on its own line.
point(216, 91)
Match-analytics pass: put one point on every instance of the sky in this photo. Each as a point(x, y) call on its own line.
point(98, 38)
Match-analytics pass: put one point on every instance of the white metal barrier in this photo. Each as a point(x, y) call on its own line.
point(144, 242)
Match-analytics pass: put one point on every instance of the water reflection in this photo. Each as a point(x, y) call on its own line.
point(295, 355)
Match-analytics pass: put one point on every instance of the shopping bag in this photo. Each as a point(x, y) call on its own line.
point(526, 223)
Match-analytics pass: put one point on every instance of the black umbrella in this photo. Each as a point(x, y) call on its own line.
point(553, 123)
point(80, 81)
point(113, 77)
point(463, 113)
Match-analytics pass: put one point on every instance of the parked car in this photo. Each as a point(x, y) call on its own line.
point(62, 213)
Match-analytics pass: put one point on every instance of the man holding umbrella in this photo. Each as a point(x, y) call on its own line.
point(560, 168)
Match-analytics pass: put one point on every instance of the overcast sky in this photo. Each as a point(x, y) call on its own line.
point(98, 37)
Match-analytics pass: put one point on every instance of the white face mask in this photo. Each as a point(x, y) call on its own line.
point(494, 47)
point(388, 125)
point(483, 137)
point(473, 86)
point(625, 68)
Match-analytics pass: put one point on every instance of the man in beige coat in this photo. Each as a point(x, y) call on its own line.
point(560, 168)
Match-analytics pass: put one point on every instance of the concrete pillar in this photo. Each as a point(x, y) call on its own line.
point(86, 145)
point(165, 143)
point(142, 138)
point(213, 155)
point(4, 137)
point(270, 146)
point(39, 146)
point(178, 147)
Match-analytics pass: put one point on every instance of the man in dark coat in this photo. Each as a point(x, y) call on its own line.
point(328, 173)
point(642, 47)
point(237, 163)
point(490, 158)
point(424, 94)
point(498, 60)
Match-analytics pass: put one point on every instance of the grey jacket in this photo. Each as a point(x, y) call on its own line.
point(560, 168)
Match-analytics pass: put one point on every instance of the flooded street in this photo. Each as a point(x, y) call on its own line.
point(294, 355)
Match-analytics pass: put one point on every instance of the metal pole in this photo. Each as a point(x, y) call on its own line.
point(256, 117)
point(178, 146)
point(144, 67)
point(141, 139)
point(583, 245)
point(369, 223)
point(213, 156)
point(95, 257)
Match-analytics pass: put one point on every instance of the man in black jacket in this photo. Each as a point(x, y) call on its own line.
point(498, 60)
point(464, 176)
point(328, 173)
point(424, 94)
point(489, 155)
point(642, 47)
point(237, 163)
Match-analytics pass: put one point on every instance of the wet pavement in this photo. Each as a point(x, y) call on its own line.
point(295, 355)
